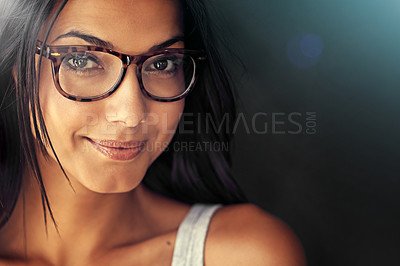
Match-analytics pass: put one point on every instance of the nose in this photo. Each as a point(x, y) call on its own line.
point(127, 104)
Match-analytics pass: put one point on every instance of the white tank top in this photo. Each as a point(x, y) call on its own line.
point(191, 237)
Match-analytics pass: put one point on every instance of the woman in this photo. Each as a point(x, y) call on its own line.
point(96, 91)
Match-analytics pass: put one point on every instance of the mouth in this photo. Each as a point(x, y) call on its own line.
point(118, 150)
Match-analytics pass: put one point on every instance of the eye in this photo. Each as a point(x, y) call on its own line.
point(163, 63)
point(78, 62)
point(82, 62)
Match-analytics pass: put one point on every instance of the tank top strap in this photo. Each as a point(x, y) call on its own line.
point(191, 236)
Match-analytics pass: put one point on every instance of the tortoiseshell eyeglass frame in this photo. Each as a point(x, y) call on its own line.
point(57, 53)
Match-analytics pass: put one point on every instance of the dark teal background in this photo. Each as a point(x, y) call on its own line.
point(339, 188)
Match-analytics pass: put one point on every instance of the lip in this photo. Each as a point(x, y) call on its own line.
point(118, 150)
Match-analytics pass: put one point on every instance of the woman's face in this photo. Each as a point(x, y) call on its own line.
point(97, 142)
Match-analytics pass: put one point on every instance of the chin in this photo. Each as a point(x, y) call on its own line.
point(108, 183)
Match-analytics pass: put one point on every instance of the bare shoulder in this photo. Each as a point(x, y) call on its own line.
point(244, 234)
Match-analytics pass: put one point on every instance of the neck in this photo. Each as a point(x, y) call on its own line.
point(88, 223)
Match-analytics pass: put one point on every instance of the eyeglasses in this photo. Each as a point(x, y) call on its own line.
point(89, 73)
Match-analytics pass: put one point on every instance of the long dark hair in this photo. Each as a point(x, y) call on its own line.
point(183, 174)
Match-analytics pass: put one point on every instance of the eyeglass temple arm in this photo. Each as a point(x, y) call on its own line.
point(47, 53)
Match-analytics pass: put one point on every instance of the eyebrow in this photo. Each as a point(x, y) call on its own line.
point(99, 42)
point(86, 37)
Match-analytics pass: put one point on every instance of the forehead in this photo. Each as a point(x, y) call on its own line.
point(132, 26)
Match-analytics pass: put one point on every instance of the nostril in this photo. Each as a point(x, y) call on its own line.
point(129, 120)
point(133, 119)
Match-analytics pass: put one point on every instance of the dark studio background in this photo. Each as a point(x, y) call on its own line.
point(333, 67)
point(338, 188)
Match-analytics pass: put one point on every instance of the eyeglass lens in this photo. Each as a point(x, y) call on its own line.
point(93, 73)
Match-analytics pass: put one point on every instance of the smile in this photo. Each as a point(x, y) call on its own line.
point(118, 150)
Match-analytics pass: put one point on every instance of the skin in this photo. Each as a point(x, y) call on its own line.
point(110, 218)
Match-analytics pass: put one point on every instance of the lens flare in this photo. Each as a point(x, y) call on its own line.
point(304, 51)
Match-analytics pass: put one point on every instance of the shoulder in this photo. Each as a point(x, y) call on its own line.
point(244, 234)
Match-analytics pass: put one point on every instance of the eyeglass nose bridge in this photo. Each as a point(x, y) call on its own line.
point(128, 60)
point(132, 60)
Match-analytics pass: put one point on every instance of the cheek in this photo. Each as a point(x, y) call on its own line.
point(48, 95)
point(170, 115)
point(63, 117)
point(165, 118)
